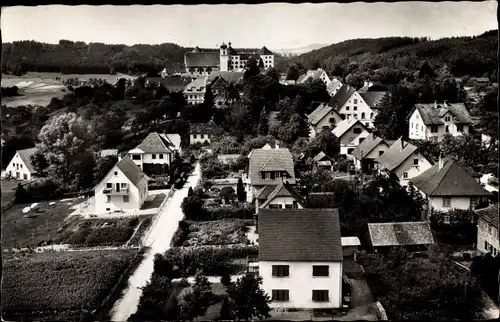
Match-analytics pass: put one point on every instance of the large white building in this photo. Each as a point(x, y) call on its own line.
point(226, 58)
point(156, 149)
point(194, 92)
point(352, 106)
point(124, 188)
point(20, 166)
point(434, 121)
point(300, 258)
point(487, 230)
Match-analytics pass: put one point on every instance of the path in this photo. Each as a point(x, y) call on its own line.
point(158, 239)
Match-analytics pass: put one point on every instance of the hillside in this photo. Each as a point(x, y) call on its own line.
point(472, 56)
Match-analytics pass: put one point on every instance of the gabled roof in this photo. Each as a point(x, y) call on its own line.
point(283, 190)
point(230, 77)
point(319, 113)
point(432, 113)
point(272, 165)
point(398, 152)
point(373, 98)
point(490, 214)
point(202, 59)
point(174, 139)
point(156, 143)
point(25, 155)
point(204, 128)
point(367, 146)
point(344, 126)
point(320, 156)
point(172, 83)
point(341, 97)
point(198, 84)
point(400, 233)
point(218, 84)
point(264, 192)
point(334, 84)
point(259, 157)
point(311, 74)
point(450, 180)
point(132, 171)
point(265, 51)
point(299, 235)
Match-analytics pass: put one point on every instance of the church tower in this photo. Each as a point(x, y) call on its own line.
point(224, 58)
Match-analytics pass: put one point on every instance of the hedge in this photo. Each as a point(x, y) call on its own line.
point(184, 261)
point(152, 169)
point(216, 213)
point(159, 186)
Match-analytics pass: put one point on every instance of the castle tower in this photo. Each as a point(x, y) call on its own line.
point(224, 58)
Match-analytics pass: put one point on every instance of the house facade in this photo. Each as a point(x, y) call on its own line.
point(194, 93)
point(281, 196)
point(314, 75)
point(404, 160)
point(370, 149)
point(487, 230)
point(334, 86)
point(202, 133)
point(351, 133)
point(268, 166)
point(448, 186)
point(352, 106)
point(155, 149)
point(124, 188)
point(322, 162)
point(300, 258)
point(20, 166)
point(321, 119)
point(434, 121)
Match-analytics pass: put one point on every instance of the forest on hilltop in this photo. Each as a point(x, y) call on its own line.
point(473, 56)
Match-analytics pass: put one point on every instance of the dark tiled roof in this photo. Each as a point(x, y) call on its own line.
point(451, 180)
point(299, 235)
point(339, 99)
point(230, 77)
point(172, 83)
point(319, 113)
point(259, 157)
point(344, 126)
point(373, 98)
point(265, 191)
point(490, 214)
point(218, 84)
point(155, 143)
point(210, 59)
point(283, 190)
point(432, 113)
point(204, 128)
point(132, 171)
point(25, 155)
point(197, 85)
point(400, 234)
point(368, 144)
point(398, 152)
point(265, 51)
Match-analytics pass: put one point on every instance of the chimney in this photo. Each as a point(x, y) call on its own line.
point(445, 105)
point(277, 145)
point(365, 83)
point(402, 143)
point(435, 104)
point(440, 162)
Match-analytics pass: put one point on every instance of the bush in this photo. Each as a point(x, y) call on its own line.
point(460, 231)
point(79, 237)
point(235, 212)
point(181, 234)
point(154, 169)
point(38, 191)
point(180, 261)
point(225, 279)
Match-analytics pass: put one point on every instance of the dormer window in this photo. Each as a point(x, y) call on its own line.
point(447, 118)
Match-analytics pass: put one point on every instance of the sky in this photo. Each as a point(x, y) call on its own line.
point(275, 25)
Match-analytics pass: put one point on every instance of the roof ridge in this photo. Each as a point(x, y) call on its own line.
point(450, 164)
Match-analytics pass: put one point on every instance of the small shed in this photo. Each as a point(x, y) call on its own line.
point(350, 245)
point(322, 162)
point(414, 236)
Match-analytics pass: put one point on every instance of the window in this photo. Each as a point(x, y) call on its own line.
point(347, 108)
point(447, 129)
point(371, 116)
point(422, 127)
point(367, 124)
point(160, 156)
point(275, 206)
point(123, 185)
point(288, 206)
point(136, 157)
point(202, 136)
point(349, 151)
point(356, 130)
point(486, 245)
point(108, 198)
point(194, 136)
point(473, 202)
point(349, 117)
point(263, 175)
point(434, 128)
point(411, 125)
point(489, 229)
point(116, 173)
point(277, 174)
point(153, 156)
point(332, 120)
point(321, 270)
point(405, 175)
point(281, 270)
point(355, 107)
point(272, 175)
point(281, 295)
point(109, 185)
point(295, 205)
point(21, 166)
point(355, 116)
point(447, 202)
point(363, 115)
point(447, 119)
point(108, 209)
point(126, 199)
point(380, 153)
point(415, 161)
point(460, 127)
point(320, 296)
point(355, 102)
point(25, 176)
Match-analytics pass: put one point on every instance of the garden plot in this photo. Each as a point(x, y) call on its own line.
point(59, 286)
point(217, 232)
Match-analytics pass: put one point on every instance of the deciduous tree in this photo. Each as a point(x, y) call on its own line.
point(248, 299)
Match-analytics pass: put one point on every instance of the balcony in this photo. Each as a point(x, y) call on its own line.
point(114, 192)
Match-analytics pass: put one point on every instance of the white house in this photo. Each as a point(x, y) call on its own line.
point(314, 75)
point(194, 93)
point(487, 230)
point(351, 105)
point(300, 258)
point(350, 134)
point(125, 187)
point(322, 162)
point(448, 186)
point(434, 121)
point(334, 86)
point(202, 132)
point(371, 148)
point(404, 160)
point(280, 196)
point(20, 166)
point(156, 149)
point(268, 166)
point(322, 118)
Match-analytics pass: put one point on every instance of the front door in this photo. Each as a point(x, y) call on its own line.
point(117, 187)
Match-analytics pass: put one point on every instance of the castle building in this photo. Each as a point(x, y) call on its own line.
point(226, 58)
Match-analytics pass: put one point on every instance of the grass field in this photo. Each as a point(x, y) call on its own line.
point(7, 190)
point(59, 286)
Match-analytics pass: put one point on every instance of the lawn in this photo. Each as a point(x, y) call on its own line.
point(216, 232)
point(57, 285)
point(7, 190)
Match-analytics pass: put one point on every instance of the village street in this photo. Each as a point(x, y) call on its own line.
point(158, 239)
